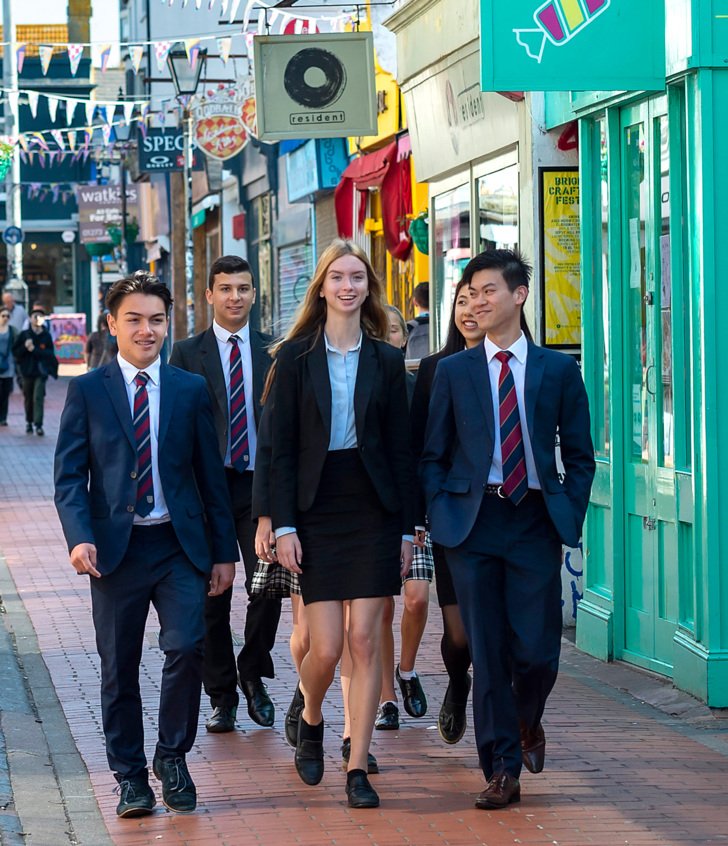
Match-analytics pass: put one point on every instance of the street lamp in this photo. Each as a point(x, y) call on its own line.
point(185, 79)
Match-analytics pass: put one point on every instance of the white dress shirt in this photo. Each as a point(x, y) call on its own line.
point(224, 347)
point(160, 513)
point(517, 364)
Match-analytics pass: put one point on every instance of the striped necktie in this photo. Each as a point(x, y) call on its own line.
point(513, 455)
point(145, 484)
point(239, 449)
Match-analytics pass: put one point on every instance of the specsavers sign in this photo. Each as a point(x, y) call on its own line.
point(573, 45)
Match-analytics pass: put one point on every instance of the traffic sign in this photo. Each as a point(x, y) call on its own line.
point(13, 235)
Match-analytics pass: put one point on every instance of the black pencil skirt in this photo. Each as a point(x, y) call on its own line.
point(350, 544)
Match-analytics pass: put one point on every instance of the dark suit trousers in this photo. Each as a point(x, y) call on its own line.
point(507, 577)
point(261, 621)
point(154, 570)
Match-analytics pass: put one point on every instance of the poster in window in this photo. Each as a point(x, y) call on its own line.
point(560, 257)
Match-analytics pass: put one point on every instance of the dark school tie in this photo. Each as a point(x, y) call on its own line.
point(239, 449)
point(513, 455)
point(145, 483)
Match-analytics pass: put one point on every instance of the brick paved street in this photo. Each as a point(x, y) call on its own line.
point(619, 771)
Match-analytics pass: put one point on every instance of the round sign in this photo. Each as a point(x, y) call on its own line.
point(13, 235)
point(68, 236)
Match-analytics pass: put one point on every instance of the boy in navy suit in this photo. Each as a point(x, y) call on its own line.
point(141, 495)
point(497, 505)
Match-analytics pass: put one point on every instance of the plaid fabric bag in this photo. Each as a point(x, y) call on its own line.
point(423, 563)
point(273, 580)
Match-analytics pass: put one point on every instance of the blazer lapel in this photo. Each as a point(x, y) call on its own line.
point(319, 371)
point(480, 376)
point(365, 376)
point(167, 394)
point(116, 387)
point(532, 385)
point(211, 364)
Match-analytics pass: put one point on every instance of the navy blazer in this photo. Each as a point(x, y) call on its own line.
point(460, 438)
point(96, 466)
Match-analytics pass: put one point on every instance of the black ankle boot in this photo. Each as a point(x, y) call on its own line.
point(309, 758)
point(359, 793)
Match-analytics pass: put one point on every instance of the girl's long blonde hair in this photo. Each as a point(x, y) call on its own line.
point(311, 315)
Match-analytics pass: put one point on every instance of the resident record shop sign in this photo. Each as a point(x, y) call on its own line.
point(573, 45)
point(315, 86)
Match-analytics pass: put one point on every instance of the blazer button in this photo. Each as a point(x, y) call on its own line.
point(133, 474)
point(130, 509)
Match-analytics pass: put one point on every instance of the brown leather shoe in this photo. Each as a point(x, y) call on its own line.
point(533, 748)
point(503, 789)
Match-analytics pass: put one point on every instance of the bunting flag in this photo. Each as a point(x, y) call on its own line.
point(103, 112)
point(45, 51)
point(58, 138)
point(70, 111)
point(106, 133)
point(90, 109)
point(198, 4)
point(40, 140)
point(128, 111)
point(33, 102)
point(75, 51)
point(223, 7)
point(104, 58)
point(52, 108)
point(71, 136)
point(224, 46)
point(20, 56)
point(249, 6)
point(210, 4)
point(23, 141)
point(161, 51)
point(136, 53)
point(192, 48)
point(55, 192)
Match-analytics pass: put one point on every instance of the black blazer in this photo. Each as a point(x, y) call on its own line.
point(419, 408)
point(301, 422)
point(460, 439)
point(261, 478)
point(200, 354)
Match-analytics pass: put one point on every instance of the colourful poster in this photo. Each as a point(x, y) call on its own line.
point(561, 257)
point(573, 45)
point(69, 337)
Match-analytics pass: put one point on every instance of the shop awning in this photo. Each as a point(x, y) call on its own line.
point(369, 170)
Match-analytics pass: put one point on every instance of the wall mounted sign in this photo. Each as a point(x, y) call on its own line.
point(222, 120)
point(573, 45)
point(315, 86)
point(163, 151)
point(99, 207)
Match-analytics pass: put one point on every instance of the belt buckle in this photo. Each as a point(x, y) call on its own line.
point(500, 493)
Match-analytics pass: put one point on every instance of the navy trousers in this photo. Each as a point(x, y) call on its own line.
point(154, 571)
point(507, 577)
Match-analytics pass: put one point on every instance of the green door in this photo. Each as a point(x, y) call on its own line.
point(650, 527)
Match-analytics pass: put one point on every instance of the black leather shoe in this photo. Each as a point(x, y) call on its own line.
point(178, 790)
point(28, 428)
point(372, 765)
point(260, 705)
point(533, 748)
point(359, 793)
point(413, 696)
point(136, 797)
point(309, 757)
point(39, 431)
point(387, 718)
point(503, 789)
point(452, 720)
point(222, 720)
point(292, 716)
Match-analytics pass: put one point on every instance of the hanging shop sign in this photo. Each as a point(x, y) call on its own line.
point(163, 151)
point(573, 45)
point(99, 207)
point(561, 256)
point(315, 166)
point(315, 86)
point(224, 118)
point(69, 337)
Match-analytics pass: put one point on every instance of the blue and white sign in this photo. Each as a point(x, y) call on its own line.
point(13, 235)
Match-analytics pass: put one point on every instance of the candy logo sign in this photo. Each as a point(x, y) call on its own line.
point(558, 21)
point(220, 128)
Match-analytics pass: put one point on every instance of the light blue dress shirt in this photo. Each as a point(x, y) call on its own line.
point(342, 376)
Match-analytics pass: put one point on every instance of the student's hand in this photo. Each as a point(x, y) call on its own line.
point(405, 558)
point(83, 558)
point(30, 346)
point(265, 540)
point(420, 535)
point(221, 578)
point(288, 549)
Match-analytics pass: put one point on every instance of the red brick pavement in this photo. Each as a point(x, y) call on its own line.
point(618, 772)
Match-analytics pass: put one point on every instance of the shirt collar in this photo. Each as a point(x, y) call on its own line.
point(223, 335)
point(518, 349)
point(355, 348)
point(129, 371)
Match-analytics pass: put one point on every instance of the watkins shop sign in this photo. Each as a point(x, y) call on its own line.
point(224, 119)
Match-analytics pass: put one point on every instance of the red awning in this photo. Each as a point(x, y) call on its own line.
point(369, 170)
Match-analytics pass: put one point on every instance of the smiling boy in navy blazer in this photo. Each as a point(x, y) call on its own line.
point(497, 504)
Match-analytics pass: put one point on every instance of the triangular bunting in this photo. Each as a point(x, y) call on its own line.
point(23, 141)
point(58, 138)
point(106, 133)
point(246, 16)
point(192, 48)
point(33, 102)
point(224, 46)
point(161, 51)
point(45, 51)
point(104, 57)
point(20, 56)
point(52, 108)
point(198, 3)
point(71, 135)
point(75, 51)
point(70, 110)
point(223, 7)
point(136, 53)
point(128, 111)
point(90, 108)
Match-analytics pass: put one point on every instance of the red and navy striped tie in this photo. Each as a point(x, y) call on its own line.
point(513, 455)
point(239, 450)
point(145, 484)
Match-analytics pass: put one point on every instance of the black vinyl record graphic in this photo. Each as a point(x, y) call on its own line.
point(314, 96)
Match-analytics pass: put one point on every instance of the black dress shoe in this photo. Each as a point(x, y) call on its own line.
point(359, 793)
point(292, 716)
point(533, 748)
point(178, 790)
point(387, 718)
point(260, 706)
point(309, 757)
point(413, 696)
point(452, 720)
point(503, 789)
point(222, 720)
point(136, 798)
point(372, 765)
